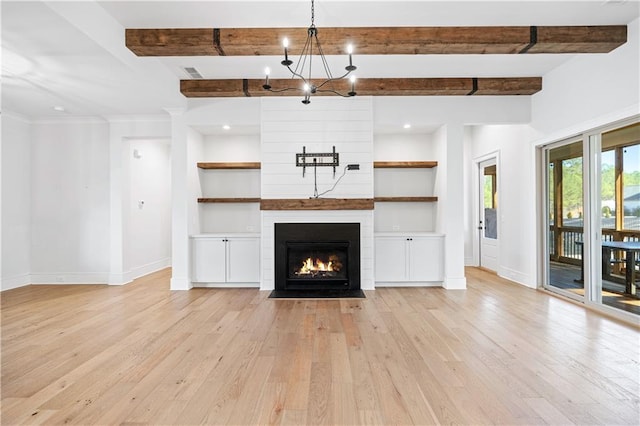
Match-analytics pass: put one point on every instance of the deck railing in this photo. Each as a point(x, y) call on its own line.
point(563, 247)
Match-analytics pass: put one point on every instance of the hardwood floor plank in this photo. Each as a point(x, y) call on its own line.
point(319, 409)
point(496, 353)
point(343, 404)
point(340, 364)
point(370, 417)
point(253, 393)
point(271, 409)
point(293, 417)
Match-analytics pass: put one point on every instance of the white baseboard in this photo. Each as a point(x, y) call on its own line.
point(139, 271)
point(118, 279)
point(147, 269)
point(70, 278)
point(470, 261)
point(455, 283)
point(226, 285)
point(15, 281)
point(516, 276)
point(408, 284)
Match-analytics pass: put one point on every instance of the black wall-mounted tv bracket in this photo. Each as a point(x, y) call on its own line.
point(324, 159)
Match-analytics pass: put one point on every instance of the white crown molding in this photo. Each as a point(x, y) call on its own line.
point(70, 119)
point(15, 116)
point(175, 111)
point(149, 118)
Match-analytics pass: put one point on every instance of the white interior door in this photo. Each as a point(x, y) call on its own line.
point(488, 214)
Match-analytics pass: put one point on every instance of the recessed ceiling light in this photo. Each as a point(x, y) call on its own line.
point(226, 127)
point(407, 126)
point(58, 108)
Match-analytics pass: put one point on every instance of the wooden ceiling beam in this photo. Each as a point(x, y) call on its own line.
point(377, 40)
point(369, 87)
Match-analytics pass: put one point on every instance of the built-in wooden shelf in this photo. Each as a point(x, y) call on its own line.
point(229, 166)
point(404, 164)
point(405, 199)
point(228, 200)
point(317, 204)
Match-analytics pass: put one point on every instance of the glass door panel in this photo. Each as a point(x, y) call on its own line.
point(620, 201)
point(489, 214)
point(564, 200)
point(631, 187)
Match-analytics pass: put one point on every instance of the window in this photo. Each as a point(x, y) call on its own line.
point(620, 181)
point(631, 187)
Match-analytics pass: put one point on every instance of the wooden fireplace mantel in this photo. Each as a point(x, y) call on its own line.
point(317, 204)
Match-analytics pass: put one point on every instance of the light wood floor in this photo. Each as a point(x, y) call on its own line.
point(496, 353)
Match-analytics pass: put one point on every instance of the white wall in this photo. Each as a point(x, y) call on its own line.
point(439, 138)
point(230, 217)
point(16, 201)
point(231, 147)
point(148, 240)
point(57, 207)
point(451, 203)
point(404, 217)
point(122, 131)
point(70, 202)
point(470, 216)
point(588, 87)
point(438, 110)
point(516, 201)
point(194, 191)
point(288, 126)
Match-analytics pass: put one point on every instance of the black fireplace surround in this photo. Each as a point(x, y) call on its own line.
point(317, 260)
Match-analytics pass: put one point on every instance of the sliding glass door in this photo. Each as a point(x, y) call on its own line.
point(592, 188)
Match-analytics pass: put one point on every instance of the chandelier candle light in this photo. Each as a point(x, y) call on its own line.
point(304, 65)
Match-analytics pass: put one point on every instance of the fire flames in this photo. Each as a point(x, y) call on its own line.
point(315, 267)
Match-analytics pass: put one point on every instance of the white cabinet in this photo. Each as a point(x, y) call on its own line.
point(409, 258)
point(209, 260)
point(225, 259)
point(426, 258)
point(391, 258)
point(243, 260)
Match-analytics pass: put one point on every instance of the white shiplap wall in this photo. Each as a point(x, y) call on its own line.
point(286, 127)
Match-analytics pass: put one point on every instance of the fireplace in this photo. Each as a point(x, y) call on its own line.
point(317, 260)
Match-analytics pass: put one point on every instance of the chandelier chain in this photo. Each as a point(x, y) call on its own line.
point(312, 13)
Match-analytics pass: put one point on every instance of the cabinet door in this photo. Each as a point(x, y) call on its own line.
point(243, 260)
point(208, 260)
point(391, 259)
point(426, 259)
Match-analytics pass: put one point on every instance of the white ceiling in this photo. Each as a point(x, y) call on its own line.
point(73, 55)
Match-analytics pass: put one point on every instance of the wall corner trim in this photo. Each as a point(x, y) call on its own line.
point(455, 283)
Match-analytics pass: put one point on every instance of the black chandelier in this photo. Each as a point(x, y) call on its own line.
point(304, 65)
